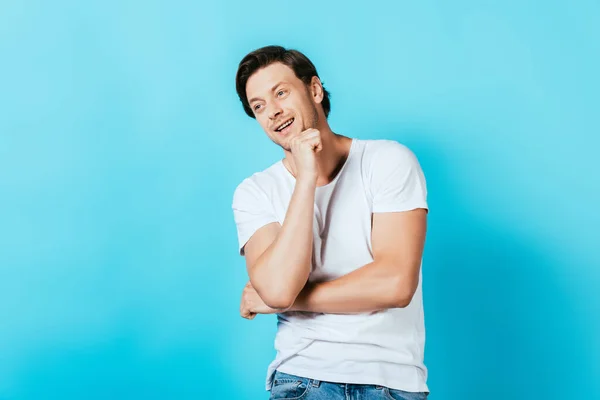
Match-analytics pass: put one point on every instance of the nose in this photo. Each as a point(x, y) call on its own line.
point(275, 111)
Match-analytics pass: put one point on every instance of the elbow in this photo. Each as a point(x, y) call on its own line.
point(276, 293)
point(402, 301)
point(280, 302)
point(279, 299)
point(402, 293)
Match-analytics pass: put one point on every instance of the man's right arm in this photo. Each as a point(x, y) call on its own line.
point(278, 258)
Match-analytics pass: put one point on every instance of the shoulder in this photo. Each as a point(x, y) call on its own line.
point(259, 184)
point(381, 153)
point(378, 147)
point(393, 177)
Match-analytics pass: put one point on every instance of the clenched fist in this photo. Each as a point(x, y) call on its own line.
point(252, 304)
point(304, 149)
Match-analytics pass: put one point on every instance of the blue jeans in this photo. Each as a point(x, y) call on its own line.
point(286, 386)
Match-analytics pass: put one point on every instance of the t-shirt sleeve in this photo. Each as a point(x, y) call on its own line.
point(251, 211)
point(397, 181)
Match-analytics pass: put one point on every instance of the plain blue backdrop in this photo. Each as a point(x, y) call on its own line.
point(122, 140)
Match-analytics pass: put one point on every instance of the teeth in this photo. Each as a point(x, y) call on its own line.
point(282, 127)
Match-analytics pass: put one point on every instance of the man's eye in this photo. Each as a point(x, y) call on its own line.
point(280, 93)
point(256, 107)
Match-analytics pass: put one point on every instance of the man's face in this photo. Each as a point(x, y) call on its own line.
point(277, 96)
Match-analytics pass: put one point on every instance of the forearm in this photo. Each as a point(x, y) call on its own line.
point(373, 287)
point(283, 269)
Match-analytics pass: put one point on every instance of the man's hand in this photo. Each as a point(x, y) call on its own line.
point(252, 304)
point(304, 149)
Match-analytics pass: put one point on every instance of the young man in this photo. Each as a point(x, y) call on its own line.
point(333, 236)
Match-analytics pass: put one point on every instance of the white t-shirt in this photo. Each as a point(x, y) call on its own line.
point(379, 348)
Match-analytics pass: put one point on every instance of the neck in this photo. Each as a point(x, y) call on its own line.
point(330, 159)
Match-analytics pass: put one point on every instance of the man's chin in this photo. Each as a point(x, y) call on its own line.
point(286, 147)
point(284, 144)
point(284, 141)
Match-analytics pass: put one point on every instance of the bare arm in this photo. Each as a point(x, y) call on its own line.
point(389, 281)
point(278, 258)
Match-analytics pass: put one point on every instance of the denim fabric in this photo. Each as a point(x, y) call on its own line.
point(290, 387)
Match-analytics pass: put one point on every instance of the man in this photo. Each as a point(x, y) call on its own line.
point(333, 236)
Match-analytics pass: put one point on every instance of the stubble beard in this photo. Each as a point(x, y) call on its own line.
point(314, 122)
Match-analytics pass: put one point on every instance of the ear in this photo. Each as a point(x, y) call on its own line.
point(316, 90)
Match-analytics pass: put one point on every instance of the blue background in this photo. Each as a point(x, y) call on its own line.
point(122, 140)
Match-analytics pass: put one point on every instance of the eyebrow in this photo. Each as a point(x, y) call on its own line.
point(273, 88)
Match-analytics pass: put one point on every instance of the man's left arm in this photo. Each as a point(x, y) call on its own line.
point(390, 281)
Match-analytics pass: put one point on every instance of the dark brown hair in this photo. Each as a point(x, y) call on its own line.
point(260, 58)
